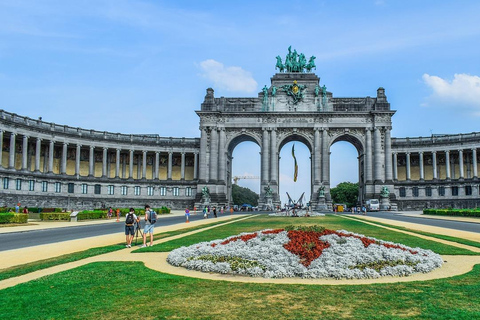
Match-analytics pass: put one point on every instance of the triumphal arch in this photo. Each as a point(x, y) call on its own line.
point(295, 107)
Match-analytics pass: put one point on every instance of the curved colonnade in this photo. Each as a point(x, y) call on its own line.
point(48, 165)
point(440, 171)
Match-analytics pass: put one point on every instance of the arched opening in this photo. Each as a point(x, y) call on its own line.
point(347, 163)
point(243, 165)
point(303, 185)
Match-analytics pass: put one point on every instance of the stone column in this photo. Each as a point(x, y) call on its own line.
point(1, 147)
point(203, 156)
point(395, 166)
point(325, 158)
point(63, 166)
point(447, 163)
point(222, 157)
point(123, 159)
point(408, 166)
point(130, 165)
point(104, 162)
point(434, 163)
point(368, 155)
point(50, 156)
point(422, 174)
point(377, 155)
point(474, 161)
point(117, 163)
point(11, 159)
point(273, 158)
point(170, 160)
point(214, 155)
point(139, 166)
point(460, 163)
point(157, 164)
point(91, 162)
point(182, 168)
point(264, 158)
point(38, 149)
point(317, 158)
point(195, 166)
point(24, 153)
point(388, 156)
point(77, 159)
point(144, 164)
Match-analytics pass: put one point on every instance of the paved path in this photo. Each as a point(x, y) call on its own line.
point(454, 265)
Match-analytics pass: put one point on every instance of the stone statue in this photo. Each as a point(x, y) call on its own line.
point(268, 191)
point(317, 90)
point(274, 91)
point(324, 91)
point(205, 192)
point(321, 191)
point(384, 193)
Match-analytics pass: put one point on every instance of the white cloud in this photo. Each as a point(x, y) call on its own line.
point(463, 92)
point(228, 78)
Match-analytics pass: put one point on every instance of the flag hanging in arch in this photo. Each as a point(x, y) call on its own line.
point(295, 171)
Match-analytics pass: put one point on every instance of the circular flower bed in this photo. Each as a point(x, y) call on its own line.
point(306, 252)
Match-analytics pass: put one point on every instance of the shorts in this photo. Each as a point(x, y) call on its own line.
point(129, 230)
point(148, 228)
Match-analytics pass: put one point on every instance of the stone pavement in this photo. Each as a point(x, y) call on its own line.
point(454, 265)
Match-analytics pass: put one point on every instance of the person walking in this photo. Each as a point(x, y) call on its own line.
point(109, 213)
point(215, 211)
point(130, 227)
point(187, 215)
point(118, 215)
point(150, 220)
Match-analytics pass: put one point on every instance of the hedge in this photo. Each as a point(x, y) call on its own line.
point(63, 216)
point(9, 217)
point(91, 214)
point(453, 212)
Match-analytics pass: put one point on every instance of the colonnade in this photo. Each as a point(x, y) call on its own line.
point(465, 159)
point(124, 158)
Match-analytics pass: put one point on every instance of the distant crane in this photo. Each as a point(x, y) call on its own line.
point(236, 178)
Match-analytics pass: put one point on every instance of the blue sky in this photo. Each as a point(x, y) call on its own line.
point(143, 66)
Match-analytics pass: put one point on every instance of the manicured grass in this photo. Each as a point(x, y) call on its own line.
point(114, 290)
point(128, 290)
point(433, 235)
point(330, 222)
point(47, 263)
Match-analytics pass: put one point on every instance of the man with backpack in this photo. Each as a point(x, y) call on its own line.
point(150, 219)
point(130, 220)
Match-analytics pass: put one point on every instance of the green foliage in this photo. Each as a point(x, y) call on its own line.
point(55, 216)
point(453, 212)
point(345, 192)
point(236, 263)
point(378, 265)
point(10, 217)
point(242, 195)
point(91, 214)
point(6, 217)
point(312, 228)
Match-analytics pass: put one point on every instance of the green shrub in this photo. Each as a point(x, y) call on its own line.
point(55, 216)
point(19, 218)
point(6, 217)
point(91, 214)
point(453, 212)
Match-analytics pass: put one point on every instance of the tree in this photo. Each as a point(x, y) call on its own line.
point(242, 195)
point(345, 192)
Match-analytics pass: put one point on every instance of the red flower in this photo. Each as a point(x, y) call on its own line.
point(306, 245)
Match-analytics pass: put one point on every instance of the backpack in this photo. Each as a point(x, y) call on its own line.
point(153, 217)
point(129, 220)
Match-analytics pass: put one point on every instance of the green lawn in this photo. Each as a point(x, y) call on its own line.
point(121, 290)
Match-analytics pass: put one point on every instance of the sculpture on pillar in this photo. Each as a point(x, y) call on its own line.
point(268, 191)
point(384, 192)
point(321, 191)
point(205, 194)
point(265, 98)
